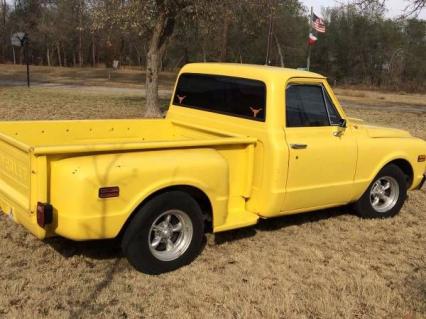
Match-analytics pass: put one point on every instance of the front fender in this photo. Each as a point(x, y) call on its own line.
point(376, 153)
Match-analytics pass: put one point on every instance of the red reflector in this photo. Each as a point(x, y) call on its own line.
point(107, 192)
point(44, 214)
point(421, 158)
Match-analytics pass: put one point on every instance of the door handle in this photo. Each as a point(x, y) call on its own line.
point(298, 146)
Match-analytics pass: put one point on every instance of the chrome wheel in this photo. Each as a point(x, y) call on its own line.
point(170, 235)
point(384, 194)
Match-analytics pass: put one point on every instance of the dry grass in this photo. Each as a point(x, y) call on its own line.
point(368, 97)
point(20, 103)
point(99, 76)
point(325, 264)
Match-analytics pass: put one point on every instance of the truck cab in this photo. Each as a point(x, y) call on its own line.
point(308, 155)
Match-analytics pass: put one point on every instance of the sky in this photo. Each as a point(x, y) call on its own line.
point(394, 7)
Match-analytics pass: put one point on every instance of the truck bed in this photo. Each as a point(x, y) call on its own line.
point(28, 149)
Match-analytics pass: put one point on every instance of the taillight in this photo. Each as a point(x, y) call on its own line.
point(44, 214)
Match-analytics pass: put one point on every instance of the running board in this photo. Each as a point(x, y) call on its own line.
point(237, 219)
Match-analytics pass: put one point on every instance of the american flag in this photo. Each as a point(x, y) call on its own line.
point(318, 23)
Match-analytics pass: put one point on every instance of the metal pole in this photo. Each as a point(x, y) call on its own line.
point(25, 40)
point(308, 61)
point(268, 48)
point(28, 67)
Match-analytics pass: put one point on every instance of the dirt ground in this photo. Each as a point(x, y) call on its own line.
point(325, 264)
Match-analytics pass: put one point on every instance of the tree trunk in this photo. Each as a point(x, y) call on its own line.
point(58, 51)
point(93, 50)
point(80, 48)
point(4, 5)
point(204, 53)
point(138, 55)
point(122, 56)
point(80, 35)
point(161, 32)
point(224, 39)
point(65, 56)
point(48, 56)
point(152, 66)
point(3, 47)
point(21, 55)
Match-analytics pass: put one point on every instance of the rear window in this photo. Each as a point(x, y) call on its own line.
point(222, 94)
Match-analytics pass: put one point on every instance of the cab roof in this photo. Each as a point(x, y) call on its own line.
point(251, 71)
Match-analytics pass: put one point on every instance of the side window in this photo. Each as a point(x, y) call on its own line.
point(305, 106)
point(332, 112)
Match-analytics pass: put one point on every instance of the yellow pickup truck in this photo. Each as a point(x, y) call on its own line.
point(239, 143)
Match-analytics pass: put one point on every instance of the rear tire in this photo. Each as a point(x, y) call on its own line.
point(166, 233)
point(385, 195)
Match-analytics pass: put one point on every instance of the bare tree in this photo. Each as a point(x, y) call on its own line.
point(152, 20)
point(4, 8)
point(164, 17)
point(413, 7)
point(80, 32)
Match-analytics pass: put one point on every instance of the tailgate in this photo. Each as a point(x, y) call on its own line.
point(15, 179)
point(23, 180)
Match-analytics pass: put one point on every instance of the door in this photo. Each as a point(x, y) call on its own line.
point(323, 151)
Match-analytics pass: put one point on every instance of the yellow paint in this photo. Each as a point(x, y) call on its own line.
point(246, 168)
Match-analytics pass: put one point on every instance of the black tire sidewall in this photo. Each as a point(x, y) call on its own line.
point(364, 206)
point(135, 240)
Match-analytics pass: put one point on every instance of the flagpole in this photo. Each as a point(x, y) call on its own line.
point(268, 48)
point(308, 61)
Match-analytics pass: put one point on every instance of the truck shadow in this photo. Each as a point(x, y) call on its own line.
point(277, 223)
point(110, 248)
point(96, 249)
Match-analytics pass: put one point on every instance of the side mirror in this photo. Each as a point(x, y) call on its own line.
point(340, 128)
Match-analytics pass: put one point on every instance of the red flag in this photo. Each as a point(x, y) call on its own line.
point(312, 39)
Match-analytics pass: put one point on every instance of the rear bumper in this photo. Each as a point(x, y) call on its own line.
point(21, 215)
point(422, 182)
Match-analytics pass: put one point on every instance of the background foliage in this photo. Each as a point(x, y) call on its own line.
point(361, 45)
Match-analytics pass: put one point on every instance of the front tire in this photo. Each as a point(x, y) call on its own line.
point(385, 195)
point(166, 233)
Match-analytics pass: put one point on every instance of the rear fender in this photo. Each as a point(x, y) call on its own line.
point(75, 182)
